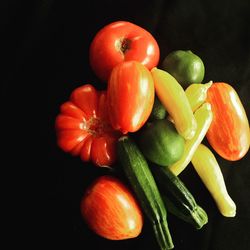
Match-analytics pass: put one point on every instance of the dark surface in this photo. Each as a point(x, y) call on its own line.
point(48, 43)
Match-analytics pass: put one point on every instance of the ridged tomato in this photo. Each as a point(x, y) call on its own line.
point(110, 209)
point(130, 96)
point(229, 131)
point(83, 128)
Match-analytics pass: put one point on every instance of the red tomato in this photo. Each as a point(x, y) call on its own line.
point(110, 210)
point(229, 131)
point(83, 127)
point(122, 41)
point(130, 96)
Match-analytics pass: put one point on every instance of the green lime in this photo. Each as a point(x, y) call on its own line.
point(160, 143)
point(185, 66)
point(158, 111)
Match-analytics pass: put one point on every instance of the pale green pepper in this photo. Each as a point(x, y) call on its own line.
point(197, 94)
point(210, 173)
point(173, 98)
point(203, 117)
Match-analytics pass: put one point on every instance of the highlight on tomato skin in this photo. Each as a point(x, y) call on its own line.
point(229, 133)
point(122, 41)
point(110, 210)
point(83, 128)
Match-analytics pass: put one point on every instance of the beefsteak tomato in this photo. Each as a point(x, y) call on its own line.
point(83, 127)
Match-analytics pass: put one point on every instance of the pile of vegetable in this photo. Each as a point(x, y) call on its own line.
point(149, 124)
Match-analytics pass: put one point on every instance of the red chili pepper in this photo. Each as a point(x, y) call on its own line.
point(83, 127)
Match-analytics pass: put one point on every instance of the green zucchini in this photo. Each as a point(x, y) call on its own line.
point(177, 198)
point(142, 182)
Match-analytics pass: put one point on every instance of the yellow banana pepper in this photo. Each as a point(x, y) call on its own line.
point(174, 99)
point(197, 94)
point(210, 173)
point(203, 116)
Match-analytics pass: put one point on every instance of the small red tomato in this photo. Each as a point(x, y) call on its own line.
point(229, 131)
point(110, 210)
point(130, 96)
point(122, 41)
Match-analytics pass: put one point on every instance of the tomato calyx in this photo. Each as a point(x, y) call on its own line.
point(123, 45)
point(96, 127)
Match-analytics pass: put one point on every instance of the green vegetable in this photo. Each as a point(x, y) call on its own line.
point(178, 199)
point(161, 143)
point(185, 66)
point(158, 111)
point(142, 181)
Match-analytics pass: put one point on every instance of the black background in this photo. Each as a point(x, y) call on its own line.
point(47, 45)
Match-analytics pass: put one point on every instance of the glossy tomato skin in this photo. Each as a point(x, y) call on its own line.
point(110, 210)
point(83, 128)
point(229, 131)
point(130, 96)
point(122, 41)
